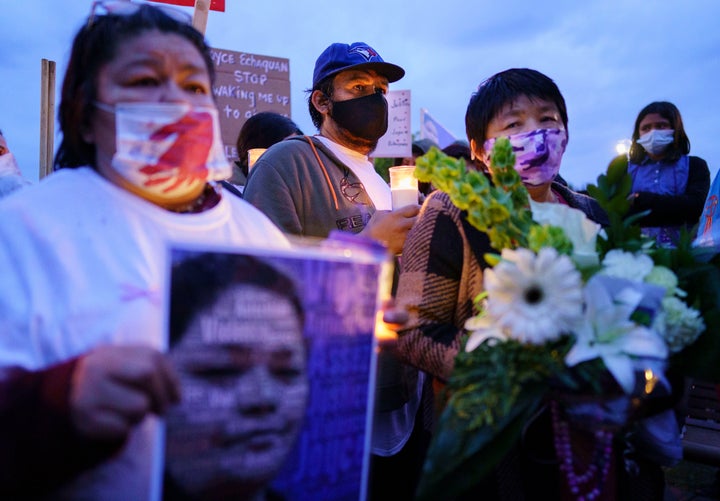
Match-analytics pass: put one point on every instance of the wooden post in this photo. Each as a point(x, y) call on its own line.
point(200, 15)
point(47, 116)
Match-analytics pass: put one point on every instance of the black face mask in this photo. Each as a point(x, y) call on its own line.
point(364, 117)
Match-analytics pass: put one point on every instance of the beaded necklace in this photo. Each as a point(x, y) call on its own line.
point(586, 484)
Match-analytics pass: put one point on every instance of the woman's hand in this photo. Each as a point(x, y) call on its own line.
point(115, 387)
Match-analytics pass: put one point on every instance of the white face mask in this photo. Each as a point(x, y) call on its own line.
point(8, 165)
point(168, 149)
point(656, 141)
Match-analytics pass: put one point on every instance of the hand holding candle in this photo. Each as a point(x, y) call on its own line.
point(403, 186)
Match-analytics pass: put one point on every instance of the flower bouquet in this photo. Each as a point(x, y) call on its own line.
point(584, 320)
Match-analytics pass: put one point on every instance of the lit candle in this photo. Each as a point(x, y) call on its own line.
point(403, 186)
point(253, 155)
point(383, 332)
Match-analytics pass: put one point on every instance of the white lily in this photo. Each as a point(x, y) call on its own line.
point(608, 333)
point(482, 328)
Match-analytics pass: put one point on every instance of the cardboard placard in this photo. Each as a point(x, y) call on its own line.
point(247, 84)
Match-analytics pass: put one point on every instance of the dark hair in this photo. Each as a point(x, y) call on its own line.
point(681, 143)
point(198, 281)
point(94, 46)
point(501, 90)
point(262, 131)
point(458, 150)
point(326, 87)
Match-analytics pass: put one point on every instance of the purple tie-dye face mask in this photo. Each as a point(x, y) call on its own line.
point(538, 154)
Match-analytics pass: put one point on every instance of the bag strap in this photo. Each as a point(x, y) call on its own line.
point(324, 170)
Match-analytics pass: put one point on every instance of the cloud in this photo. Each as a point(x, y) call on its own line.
point(609, 58)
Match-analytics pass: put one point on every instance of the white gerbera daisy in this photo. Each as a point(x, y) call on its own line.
point(534, 298)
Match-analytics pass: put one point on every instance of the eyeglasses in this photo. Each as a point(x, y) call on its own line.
point(128, 8)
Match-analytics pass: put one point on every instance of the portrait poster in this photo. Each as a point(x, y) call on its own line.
point(276, 356)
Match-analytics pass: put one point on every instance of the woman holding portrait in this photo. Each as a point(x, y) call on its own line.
point(84, 256)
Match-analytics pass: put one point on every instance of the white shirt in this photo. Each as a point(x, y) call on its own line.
point(375, 186)
point(391, 429)
point(84, 263)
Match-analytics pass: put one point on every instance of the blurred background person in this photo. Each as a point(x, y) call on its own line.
point(666, 180)
point(11, 177)
point(419, 148)
point(84, 261)
point(260, 131)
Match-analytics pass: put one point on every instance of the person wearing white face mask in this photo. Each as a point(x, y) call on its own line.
point(666, 180)
point(84, 259)
point(10, 176)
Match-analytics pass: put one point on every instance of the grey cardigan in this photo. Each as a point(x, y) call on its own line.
point(306, 190)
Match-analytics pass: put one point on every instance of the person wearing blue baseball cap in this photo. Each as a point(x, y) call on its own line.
point(311, 185)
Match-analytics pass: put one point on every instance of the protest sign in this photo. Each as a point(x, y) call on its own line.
point(247, 84)
point(397, 141)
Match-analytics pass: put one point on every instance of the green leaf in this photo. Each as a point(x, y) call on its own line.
point(457, 461)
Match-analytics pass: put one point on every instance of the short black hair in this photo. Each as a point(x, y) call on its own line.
point(501, 90)
point(262, 131)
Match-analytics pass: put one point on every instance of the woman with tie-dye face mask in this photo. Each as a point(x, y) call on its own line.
point(525, 106)
point(443, 263)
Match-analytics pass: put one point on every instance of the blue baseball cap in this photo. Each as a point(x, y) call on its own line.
point(341, 56)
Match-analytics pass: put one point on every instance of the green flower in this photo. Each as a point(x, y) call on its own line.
point(678, 324)
point(550, 236)
point(664, 277)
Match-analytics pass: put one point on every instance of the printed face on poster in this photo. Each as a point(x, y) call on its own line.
point(397, 141)
point(276, 360)
point(245, 85)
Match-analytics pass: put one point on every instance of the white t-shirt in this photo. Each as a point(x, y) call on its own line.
point(84, 263)
point(391, 429)
point(375, 186)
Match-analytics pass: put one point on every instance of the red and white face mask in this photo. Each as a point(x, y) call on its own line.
point(167, 149)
